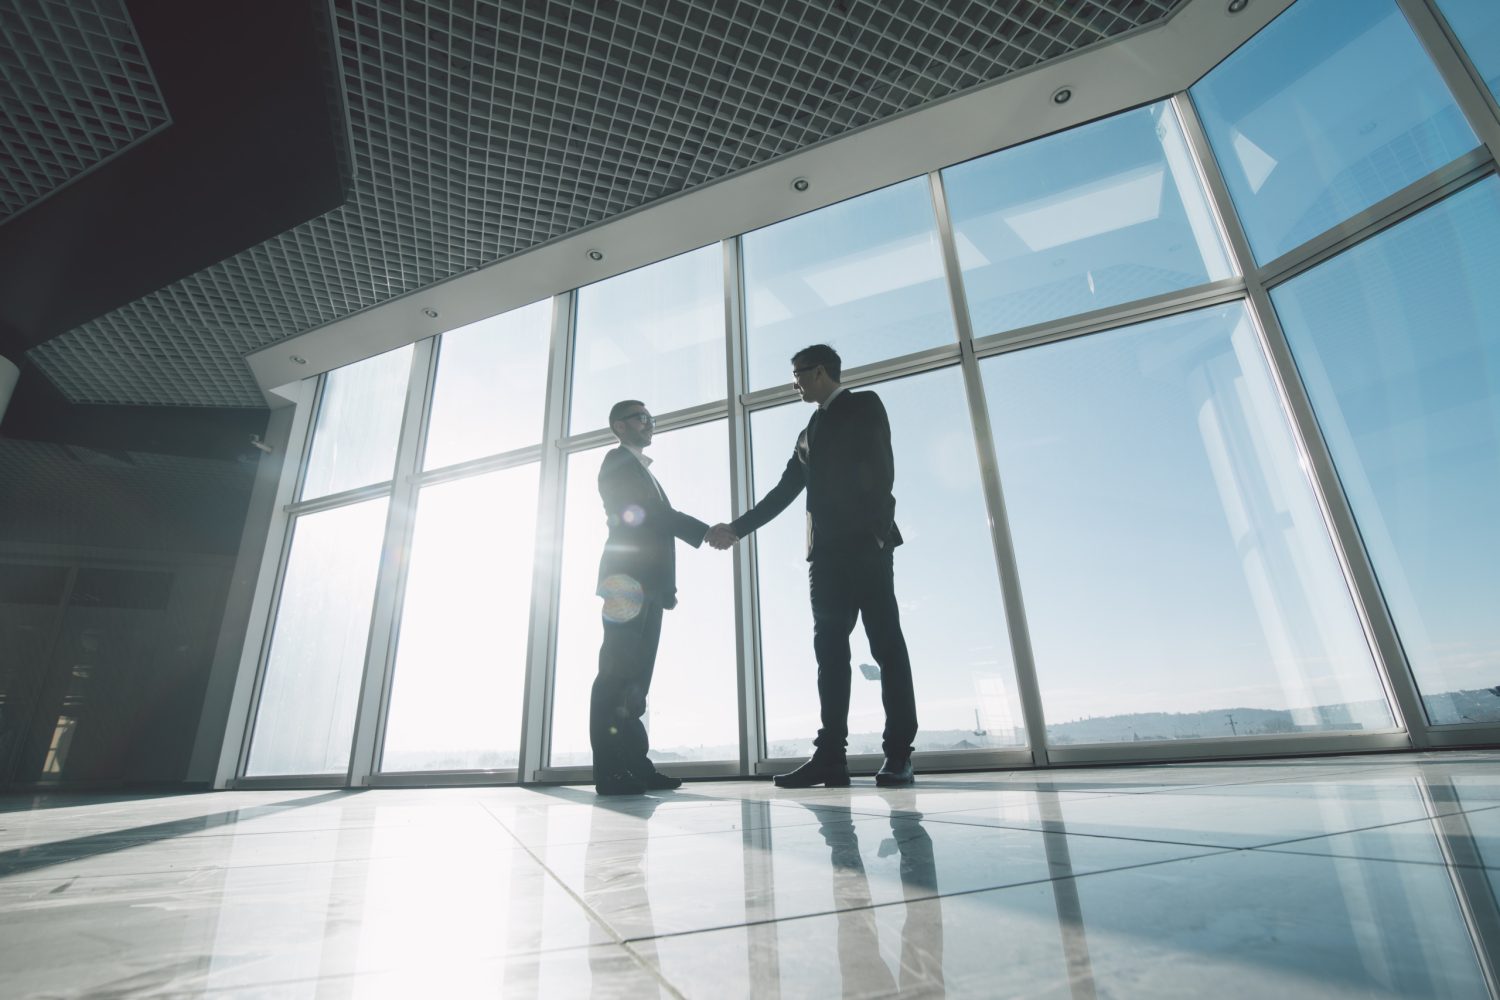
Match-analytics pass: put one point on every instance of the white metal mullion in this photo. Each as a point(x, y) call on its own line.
point(234, 753)
point(1002, 544)
point(536, 714)
point(749, 680)
point(385, 610)
point(1464, 82)
point(1390, 658)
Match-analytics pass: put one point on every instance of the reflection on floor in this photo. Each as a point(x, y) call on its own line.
point(1352, 876)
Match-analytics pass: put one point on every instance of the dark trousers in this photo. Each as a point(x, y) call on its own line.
point(626, 660)
point(849, 583)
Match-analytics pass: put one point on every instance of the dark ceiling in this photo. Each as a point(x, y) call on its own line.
point(180, 187)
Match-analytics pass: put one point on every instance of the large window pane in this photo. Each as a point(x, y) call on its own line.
point(461, 656)
point(1082, 220)
point(865, 275)
point(491, 386)
point(693, 711)
point(359, 424)
point(656, 334)
point(1178, 576)
point(1329, 109)
point(946, 585)
point(1398, 342)
point(1477, 25)
point(306, 718)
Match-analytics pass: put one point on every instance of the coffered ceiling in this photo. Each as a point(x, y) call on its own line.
point(474, 131)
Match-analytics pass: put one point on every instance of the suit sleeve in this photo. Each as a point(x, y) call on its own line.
point(621, 488)
point(793, 479)
point(874, 470)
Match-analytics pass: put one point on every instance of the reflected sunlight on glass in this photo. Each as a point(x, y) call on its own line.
point(359, 420)
point(491, 386)
point(1088, 218)
point(1178, 575)
point(1326, 111)
point(865, 275)
point(305, 721)
point(461, 651)
point(655, 333)
point(1398, 342)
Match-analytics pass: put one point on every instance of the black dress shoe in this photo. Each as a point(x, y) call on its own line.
point(619, 784)
point(895, 772)
point(658, 782)
point(831, 772)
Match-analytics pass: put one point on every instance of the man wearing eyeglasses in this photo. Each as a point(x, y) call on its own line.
point(638, 581)
point(843, 459)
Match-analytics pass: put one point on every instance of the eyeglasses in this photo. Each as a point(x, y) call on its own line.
point(645, 419)
point(799, 372)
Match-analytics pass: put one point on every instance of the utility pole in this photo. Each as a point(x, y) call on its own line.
point(1232, 730)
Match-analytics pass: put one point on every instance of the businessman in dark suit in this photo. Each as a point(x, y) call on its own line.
point(843, 459)
point(638, 581)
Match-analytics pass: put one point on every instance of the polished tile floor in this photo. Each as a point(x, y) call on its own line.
point(1353, 876)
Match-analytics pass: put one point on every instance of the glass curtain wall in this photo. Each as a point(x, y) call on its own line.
point(1204, 391)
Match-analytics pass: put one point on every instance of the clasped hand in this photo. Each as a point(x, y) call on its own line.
point(721, 537)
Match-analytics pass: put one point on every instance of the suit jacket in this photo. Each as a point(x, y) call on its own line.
point(843, 458)
point(643, 528)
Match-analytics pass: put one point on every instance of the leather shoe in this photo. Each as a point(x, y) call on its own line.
point(831, 772)
point(895, 772)
point(619, 784)
point(658, 782)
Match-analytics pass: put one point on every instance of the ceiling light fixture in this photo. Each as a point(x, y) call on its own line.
point(1235, 6)
point(1062, 95)
point(596, 255)
point(430, 312)
point(801, 184)
point(298, 359)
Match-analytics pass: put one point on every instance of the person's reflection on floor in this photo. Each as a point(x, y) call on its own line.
point(864, 971)
point(614, 886)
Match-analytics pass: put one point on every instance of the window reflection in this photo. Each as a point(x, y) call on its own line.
point(359, 422)
point(1178, 577)
point(656, 334)
point(305, 723)
point(865, 275)
point(1477, 25)
point(461, 656)
point(1398, 343)
point(491, 386)
point(1085, 219)
point(1326, 111)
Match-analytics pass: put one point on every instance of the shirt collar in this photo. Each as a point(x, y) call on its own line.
point(831, 397)
point(645, 459)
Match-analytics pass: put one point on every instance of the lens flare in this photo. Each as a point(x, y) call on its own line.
point(633, 516)
point(623, 597)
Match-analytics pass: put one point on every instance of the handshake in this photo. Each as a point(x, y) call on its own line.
point(721, 537)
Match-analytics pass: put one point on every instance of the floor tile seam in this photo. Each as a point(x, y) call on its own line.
point(185, 869)
point(1430, 818)
point(652, 837)
point(930, 897)
point(344, 977)
point(589, 912)
point(653, 968)
point(1365, 857)
point(1097, 836)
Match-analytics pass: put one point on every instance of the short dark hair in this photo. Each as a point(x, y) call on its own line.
point(617, 412)
point(819, 354)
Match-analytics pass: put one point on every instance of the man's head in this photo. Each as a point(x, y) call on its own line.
point(632, 422)
point(815, 372)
